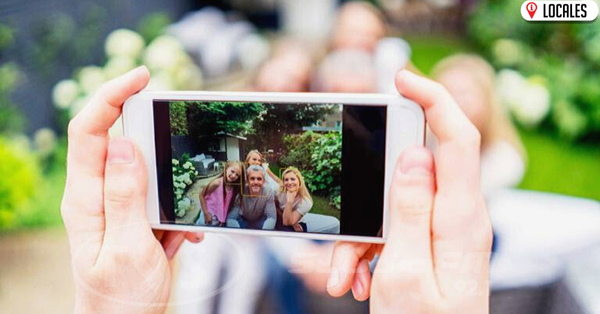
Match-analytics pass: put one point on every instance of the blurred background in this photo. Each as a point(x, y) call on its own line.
point(533, 90)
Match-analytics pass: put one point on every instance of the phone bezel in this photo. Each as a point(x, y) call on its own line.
point(407, 129)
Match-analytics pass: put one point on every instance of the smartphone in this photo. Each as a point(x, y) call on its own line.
point(309, 165)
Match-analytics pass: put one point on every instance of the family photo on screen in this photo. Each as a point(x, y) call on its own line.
point(264, 166)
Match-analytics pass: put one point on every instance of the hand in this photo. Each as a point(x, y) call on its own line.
point(298, 227)
point(119, 264)
point(208, 219)
point(291, 196)
point(436, 258)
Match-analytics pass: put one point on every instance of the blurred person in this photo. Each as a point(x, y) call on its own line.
point(359, 25)
point(346, 71)
point(436, 208)
point(289, 69)
point(472, 83)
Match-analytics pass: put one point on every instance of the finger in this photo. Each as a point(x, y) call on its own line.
point(406, 257)
point(125, 187)
point(194, 237)
point(82, 206)
point(171, 242)
point(88, 131)
point(361, 287)
point(457, 160)
point(346, 256)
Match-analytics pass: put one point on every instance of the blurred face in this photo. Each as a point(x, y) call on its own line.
point(255, 181)
point(291, 182)
point(254, 159)
point(469, 95)
point(233, 173)
point(358, 27)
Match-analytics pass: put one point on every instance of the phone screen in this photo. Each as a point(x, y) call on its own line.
point(297, 167)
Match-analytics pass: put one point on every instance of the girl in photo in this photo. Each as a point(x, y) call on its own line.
point(254, 157)
point(293, 201)
point(217, 197)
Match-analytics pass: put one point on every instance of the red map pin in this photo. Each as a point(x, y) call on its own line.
point(531, 8)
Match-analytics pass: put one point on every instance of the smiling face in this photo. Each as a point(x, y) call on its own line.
point(254, 159)
point(233, 173)
point(256, 180)
point(291, 182)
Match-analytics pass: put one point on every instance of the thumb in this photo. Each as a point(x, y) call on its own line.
point(125, 186)
point(411, 202)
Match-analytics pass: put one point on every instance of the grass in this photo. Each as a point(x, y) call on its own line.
point(321, 206)
point(560, 167)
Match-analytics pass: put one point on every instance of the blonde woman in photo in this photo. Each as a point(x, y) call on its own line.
point(293, 201)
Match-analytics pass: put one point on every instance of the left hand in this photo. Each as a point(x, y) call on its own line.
point(119, 263)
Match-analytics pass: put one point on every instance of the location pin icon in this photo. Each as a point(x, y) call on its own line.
point(531, 8)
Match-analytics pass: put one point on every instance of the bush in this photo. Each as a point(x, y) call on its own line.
point(566, 57)
point(319, 157)
point(177, 115)
point(19, 175)
point(184, 175)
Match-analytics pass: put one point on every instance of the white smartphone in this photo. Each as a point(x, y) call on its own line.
point(309, 165)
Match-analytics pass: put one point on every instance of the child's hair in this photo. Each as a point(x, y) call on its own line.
point(237, 186)
point(302, 190)
point(254, 151)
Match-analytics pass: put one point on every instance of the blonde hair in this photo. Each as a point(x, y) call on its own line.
point(254, 151)
point(500, 127)
point(302, 189)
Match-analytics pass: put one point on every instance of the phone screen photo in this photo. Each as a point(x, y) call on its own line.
point(293, 167)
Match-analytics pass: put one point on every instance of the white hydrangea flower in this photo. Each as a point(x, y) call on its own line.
point(507, 52)
point(187, 165)
point(90, 78)
point(188, 77)
point(65, 93)
point(527, 100)
point(161, 80)
point(45, 141)
point(118, 65)
point(175, 162)
point(164, 53)
point(125, 43)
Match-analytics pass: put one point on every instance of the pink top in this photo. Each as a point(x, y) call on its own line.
point(216, 204)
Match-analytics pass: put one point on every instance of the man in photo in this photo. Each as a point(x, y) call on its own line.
point(255, 208)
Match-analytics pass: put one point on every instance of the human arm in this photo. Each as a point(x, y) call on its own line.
point(270, 213)
point(209, 188)
point(438, 222)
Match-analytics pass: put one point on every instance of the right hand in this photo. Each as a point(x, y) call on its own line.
point(291, 196)
point(436, 258)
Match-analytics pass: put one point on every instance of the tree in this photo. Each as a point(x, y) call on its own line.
point(209, 118)
point(282, 119)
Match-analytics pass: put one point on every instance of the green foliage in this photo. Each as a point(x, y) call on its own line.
point(178, 118)
point(566, 54)
point(6, 37)
point(319, 157)
point(152, 25)
point(11, 120)
point(210, 118)
point(281, 119)
point(19, 175)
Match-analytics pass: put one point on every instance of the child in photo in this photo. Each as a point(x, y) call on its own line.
point(217, 197)
point(254, 157)
point(293, 201)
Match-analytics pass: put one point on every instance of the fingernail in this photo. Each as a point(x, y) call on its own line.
point(417, 161)
point(199, 236)
point(120, 151)
point(334, 278)
point(357, 288)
